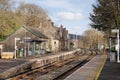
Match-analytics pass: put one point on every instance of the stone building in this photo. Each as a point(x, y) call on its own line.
point(58, 36)
point(29, 40)
point(63, 37)
point(49, 30)
point(38, 40)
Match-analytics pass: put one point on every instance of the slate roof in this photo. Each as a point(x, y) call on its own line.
point(36, 32)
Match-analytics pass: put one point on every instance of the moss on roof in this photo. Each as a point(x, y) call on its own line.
point(31, 30)
point(36, 32)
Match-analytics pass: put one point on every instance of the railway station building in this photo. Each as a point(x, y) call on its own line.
point(28, 41)
point(25, 42)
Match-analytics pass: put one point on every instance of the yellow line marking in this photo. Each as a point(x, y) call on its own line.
point(95, 74)
point(101, 67)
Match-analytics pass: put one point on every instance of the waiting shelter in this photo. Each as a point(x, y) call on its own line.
point(25, 41)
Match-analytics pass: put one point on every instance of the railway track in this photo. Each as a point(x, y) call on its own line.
point(71, 70)
point(56, 71)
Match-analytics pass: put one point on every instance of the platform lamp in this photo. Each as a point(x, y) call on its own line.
point(117, 31)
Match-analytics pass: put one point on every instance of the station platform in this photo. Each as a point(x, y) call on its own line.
point(12, 67)
point(99, 68)
point(6, 64)
point(110, 71)
point(90, 71)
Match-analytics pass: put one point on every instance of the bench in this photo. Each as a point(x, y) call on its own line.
point(7, 55)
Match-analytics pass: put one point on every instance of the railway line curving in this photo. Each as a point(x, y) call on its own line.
point(57, 70)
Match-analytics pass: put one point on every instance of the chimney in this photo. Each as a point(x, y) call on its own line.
point(52, 24)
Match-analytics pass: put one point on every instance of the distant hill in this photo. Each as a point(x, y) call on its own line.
point(73, 36)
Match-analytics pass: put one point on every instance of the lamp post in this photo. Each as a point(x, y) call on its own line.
point(25, 45)
point(110, 44)
point(15, 47)
point(117, 31)
point(118, 60)
point(25, 40)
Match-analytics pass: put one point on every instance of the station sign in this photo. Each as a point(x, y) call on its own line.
point(115, 30)
point(17, 38)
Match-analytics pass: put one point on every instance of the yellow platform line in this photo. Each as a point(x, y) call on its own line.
point(94, 75)
point(101, 67)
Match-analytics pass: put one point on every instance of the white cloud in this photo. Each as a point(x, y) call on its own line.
point(60, 4)
point(55, 3)
point(70, 15)
point(25, 1)
point(77, 28)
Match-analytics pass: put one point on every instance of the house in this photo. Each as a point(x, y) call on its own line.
point(63, 37)
point(28, 41)
point(49, 30)
point(58, 36)
point(25, 41)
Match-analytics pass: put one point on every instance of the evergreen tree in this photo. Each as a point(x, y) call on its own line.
point(106, 15)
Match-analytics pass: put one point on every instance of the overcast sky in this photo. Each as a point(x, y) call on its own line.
point(72, 14)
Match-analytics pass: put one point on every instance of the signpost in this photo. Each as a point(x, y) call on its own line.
point(15, 47)
point(117, 31)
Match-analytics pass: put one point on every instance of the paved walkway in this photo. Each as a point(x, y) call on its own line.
point(110, 71)
point(89, 71)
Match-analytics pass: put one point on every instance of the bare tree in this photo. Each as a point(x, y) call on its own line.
point(32, 14)
point(7, 18)
point(5, 5)
point(12, 17)
point(93, 37)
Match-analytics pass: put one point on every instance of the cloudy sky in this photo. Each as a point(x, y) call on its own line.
point(72, 14)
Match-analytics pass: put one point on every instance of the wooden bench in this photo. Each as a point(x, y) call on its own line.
point(7, 55)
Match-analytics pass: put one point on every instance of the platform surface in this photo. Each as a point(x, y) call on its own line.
point(90, 70)
point(6, 64)
point(110, 71)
